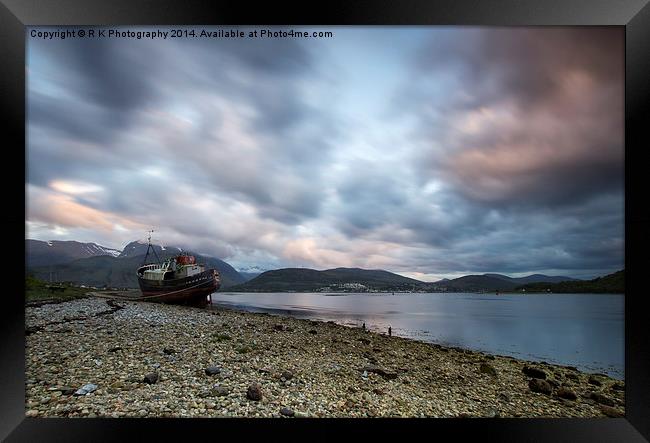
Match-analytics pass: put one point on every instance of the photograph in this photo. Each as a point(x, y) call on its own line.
point(325, 221)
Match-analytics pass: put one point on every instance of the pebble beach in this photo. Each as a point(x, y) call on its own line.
point(95, 357)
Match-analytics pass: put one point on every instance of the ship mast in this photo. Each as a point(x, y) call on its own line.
point(152, 249)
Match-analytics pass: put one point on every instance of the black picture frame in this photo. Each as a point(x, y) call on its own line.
point(634, 15)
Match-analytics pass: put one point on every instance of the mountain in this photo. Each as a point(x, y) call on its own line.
point(346, 279)
point(44, 253)
point(117, 269)
point(251, 272)
point(612, 283)
point(139, 248)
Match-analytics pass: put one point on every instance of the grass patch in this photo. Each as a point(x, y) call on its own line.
point(38, 290)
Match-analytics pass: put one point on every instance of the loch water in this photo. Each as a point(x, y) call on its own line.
point(581, 330)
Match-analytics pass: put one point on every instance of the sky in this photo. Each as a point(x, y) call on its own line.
point(432, 152)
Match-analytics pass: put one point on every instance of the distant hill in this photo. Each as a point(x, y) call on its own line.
point(339, 279)
point(473, 283)
point(532, 278)
point(117, 269)
point(612, 283)
point(494, 282)
point(54, 252)
point(249, 275)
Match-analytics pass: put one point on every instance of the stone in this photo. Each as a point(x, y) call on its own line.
point(566, 393)
point(213, 370)
point(220, 391)
point(380, 371)
point(594, 380)
point(534, 372)
point(287, 412)
point(504, 397)
point(618, 387)
point(299, 414)
point(86, 389)
point(611, 412)
point(486, 368)
point(254, 392)
point(117, 385)
point(115, 349)
point(602, 399)
point(151, 378)
point(169, 351)
point(539, 385)
point(287, 375)
point(67, 390)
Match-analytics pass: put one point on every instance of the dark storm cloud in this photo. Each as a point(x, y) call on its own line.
point(112, 84)
point(104, 84)
point(527, 117)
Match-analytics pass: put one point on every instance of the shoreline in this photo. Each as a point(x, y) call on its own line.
point(148, 360)
point(459, 348)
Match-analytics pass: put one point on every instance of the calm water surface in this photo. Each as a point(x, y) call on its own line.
point(582, 330)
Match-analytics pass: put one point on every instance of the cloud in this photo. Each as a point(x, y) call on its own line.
point(530, 116)
point(501, 151)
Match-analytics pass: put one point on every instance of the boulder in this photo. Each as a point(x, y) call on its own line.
point(534, 372)
point(618, 387)
point(566, 393)
point(611, 412)
point(602, 399)
point(287, 412)
point(212, 370)
point(541, 386)
point(220, 391)
point(151, 378)
point(254, 392)
point(594, 380)
point(486, 368)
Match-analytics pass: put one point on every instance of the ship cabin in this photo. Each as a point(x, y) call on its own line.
point(182, 266)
